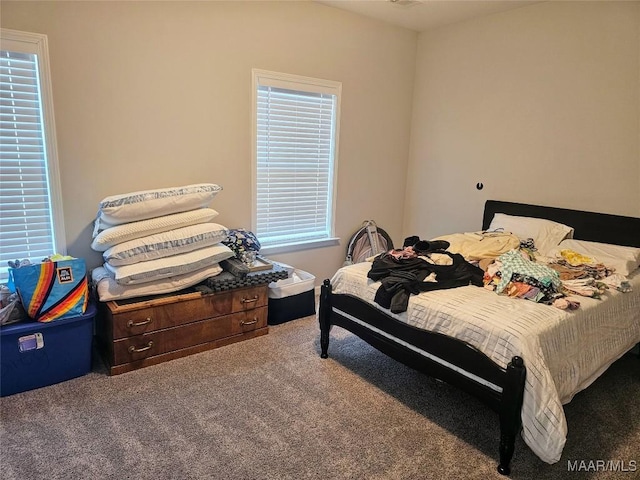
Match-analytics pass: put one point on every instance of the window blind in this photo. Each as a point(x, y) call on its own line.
point(25, 221)
point(294, 174)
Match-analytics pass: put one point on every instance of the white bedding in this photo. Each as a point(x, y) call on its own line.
point(563, 351)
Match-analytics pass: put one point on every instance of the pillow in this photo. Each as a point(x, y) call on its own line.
point(108, 289)
point(546, 234)
point(143, 272)
point(135, 206)
point(623, 259)
point(130, 231)
point(165, 244)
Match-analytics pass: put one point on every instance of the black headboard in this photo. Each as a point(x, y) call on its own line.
point(595, 227)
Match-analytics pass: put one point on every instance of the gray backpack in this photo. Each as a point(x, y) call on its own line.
point(367, 241)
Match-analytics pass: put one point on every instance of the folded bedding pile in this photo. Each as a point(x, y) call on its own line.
point(157, 241)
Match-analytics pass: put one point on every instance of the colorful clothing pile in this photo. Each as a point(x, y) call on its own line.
point(515, 275)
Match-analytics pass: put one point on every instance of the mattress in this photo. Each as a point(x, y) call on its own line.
point(563, 351)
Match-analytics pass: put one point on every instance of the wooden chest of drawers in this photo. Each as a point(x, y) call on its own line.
point(137, 334)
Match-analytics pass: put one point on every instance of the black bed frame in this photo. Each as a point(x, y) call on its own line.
point(454, 361)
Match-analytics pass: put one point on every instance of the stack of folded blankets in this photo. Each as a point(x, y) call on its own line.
point(157, 241)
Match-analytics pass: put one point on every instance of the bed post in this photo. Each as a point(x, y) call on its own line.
point(324, 316)
point(511, 412)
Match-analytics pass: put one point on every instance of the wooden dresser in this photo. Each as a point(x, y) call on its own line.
point(135, 334)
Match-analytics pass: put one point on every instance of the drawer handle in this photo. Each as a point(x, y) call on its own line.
point(131, 323)
point(253, 322)
point(133, 349)
point(250, 300)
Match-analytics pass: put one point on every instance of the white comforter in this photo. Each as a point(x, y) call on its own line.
point(563, 351)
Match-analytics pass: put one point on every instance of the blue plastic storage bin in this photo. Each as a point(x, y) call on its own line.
point(36, 354)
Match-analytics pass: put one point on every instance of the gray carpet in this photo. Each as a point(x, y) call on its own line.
point(271, 408)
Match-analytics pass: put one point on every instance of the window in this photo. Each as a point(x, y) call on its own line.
point(295, 143)
point(31, 220)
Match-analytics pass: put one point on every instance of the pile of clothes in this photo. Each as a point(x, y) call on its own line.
point(494, 260)
point(419, 266)
point(551, 281)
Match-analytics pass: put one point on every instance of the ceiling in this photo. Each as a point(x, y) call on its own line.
point(423, 15)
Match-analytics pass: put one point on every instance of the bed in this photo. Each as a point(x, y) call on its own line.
point(523, 359)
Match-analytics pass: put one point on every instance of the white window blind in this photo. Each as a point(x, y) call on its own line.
point(27, 226)
point(296, 129)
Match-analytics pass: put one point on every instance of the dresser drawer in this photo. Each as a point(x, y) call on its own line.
point(248, 298)
point(136, 320)
point(137, 333)
point(190, 334)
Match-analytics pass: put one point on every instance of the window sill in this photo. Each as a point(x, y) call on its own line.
point(295, 247)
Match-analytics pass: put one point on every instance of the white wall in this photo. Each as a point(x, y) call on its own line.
point(156, 94)
point(541, 104)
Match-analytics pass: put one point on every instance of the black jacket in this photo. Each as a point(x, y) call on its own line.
point(401, 277)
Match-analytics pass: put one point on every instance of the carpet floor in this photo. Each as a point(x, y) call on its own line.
point(271, 408)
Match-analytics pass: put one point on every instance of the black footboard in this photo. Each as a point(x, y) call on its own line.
point(437, 355)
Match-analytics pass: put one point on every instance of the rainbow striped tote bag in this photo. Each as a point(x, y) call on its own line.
point(52, 290)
